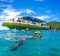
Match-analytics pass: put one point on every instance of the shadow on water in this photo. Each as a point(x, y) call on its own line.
point(52, 54)
point(36, 54)
point(54, 49)
point(43, 54)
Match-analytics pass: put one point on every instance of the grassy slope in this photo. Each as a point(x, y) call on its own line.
point(54, 24)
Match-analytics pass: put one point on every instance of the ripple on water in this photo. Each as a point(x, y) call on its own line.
point(31, 47)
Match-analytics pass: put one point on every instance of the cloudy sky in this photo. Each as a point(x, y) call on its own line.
point(48, 10)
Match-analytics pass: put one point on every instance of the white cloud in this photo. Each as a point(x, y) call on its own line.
point(8, 0)
point(28, 11)
point(10, 13)
point(39, 0)
point(43, 17)
point(2, 16)
point(2, 27)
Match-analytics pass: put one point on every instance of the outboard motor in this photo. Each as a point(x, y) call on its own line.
point(16, 45)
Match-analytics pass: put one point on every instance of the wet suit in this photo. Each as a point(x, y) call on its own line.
point(16, 45)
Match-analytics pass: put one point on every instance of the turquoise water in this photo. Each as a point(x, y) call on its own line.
point(47, 45)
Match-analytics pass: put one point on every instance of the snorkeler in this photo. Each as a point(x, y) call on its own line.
point(13, 19)
point(22, 38)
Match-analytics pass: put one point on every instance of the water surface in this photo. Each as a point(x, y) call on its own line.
point(47, 45)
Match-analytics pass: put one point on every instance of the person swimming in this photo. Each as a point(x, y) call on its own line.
point(55, 29)
point(22, 38)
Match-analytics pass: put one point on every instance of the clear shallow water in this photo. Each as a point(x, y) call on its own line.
point(48, 45)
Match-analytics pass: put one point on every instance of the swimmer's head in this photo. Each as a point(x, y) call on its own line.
point(37, 32)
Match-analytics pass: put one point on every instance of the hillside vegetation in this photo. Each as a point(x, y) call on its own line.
point(54, 24)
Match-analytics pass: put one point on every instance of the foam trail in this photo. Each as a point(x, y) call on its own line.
point(15, 30)
point(9, 36)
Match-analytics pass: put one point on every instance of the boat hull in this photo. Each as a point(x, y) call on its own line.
point(21, 25)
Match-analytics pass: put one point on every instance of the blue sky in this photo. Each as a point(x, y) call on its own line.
point(48, 10)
